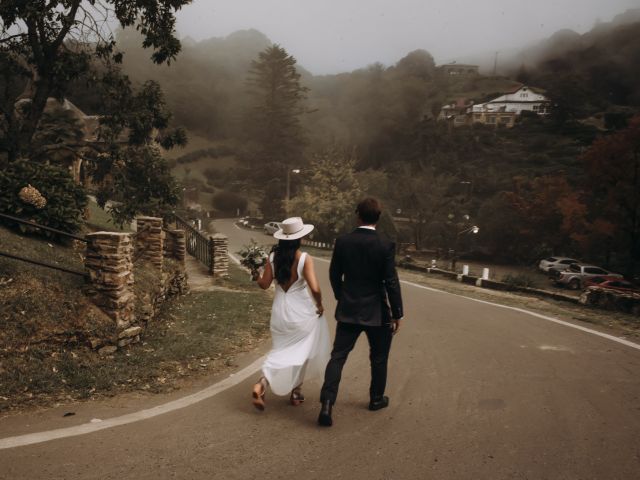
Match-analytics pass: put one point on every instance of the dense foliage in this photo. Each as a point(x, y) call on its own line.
point(65, 200)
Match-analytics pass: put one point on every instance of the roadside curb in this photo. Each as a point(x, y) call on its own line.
point(489, 284)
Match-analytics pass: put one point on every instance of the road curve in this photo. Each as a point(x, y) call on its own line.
point(477, 392)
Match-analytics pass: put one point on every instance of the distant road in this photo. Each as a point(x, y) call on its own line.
point(477, 392)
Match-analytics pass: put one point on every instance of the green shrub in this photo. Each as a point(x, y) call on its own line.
point(65, 200)
point(519, 280)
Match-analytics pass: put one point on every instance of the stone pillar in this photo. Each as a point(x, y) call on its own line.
point(219, 245)
point(149, 240)
point(179, 245)
point(110, 267)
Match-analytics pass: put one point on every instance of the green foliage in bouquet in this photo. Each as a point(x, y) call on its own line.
point(62, 200)
point(253, 256)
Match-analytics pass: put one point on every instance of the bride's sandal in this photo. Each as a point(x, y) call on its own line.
point(296, 397)
point(259, 390)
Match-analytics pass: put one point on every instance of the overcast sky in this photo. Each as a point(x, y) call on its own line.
point(330, 36)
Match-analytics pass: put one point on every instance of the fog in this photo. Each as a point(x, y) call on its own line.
point(341, 35)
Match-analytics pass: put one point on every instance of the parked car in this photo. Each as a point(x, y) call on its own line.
point(613, 283)
point(575, 276)
point(271, 227)
point(558, 263)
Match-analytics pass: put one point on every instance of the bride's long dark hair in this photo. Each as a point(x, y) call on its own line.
point(283, 257)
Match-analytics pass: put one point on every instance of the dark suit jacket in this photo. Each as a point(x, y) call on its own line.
point(364, 279)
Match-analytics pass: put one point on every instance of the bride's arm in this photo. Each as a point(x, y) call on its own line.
point(266, 278)
point(309, 274)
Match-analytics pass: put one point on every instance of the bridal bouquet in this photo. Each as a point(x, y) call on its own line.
point(253, 256)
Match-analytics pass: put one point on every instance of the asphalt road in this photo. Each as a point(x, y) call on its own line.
point(477, 392)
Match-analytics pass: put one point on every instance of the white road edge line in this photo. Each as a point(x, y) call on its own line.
point(522, 310)
point(232, 380)
point(239, 377)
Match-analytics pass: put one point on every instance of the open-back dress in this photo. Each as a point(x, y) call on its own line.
point(301, 343)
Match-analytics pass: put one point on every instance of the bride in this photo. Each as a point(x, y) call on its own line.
point(299, 331)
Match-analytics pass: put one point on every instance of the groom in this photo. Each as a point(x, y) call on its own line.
point(365, 283)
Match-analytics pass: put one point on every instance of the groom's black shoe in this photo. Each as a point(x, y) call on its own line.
point(324, 418)
point(378, 403)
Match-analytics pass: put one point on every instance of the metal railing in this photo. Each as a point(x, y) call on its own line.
point(42, 227)
point(197, 244)
point(37, 262)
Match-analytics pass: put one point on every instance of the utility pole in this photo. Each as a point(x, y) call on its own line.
point(288, 192)
point(495, 65)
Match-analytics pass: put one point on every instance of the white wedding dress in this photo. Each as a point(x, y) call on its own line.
point(301, 343)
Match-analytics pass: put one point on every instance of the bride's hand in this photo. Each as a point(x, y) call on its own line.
point(255, 274)
point(319, 310)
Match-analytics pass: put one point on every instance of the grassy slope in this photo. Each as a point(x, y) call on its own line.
point(194, 171)
point(45, 322)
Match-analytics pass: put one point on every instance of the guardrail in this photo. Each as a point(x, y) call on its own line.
point(198, 245)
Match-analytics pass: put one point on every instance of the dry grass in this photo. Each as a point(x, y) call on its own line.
point(45, 324)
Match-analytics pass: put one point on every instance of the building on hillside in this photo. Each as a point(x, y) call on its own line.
point(495, 117)
point(456, 112)
point(459, 69)
point(518, 101)
point(502, 110)
point(72, 155)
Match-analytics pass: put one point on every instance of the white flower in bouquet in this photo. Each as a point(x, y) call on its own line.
point(253, 257)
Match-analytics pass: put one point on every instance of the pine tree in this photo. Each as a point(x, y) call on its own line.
point(273, 123)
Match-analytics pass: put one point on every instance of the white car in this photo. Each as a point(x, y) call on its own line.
point(271, 227)
point(557, 263)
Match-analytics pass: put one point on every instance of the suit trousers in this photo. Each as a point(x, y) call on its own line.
point(346, 336)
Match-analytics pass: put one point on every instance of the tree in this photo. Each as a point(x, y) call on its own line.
point(273, 122)
point(51, 43)
point(329, 198)
point(547, 212)
point(418, 63)
point(140, 182)
point(425, 200)
point(613, 169)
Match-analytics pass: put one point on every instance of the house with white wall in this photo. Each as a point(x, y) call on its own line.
point(523, 99)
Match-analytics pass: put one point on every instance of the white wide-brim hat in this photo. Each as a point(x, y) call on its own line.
point(292, 229)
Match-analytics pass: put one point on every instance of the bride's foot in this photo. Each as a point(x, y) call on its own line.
point(259, 390)
point(296, 397)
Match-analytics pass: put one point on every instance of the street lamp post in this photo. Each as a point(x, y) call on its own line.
point(474, 229)
point(467, 188)
point(288, 192)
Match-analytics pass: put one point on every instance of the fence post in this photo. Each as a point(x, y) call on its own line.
point(179, 245)
point(149, 240)
point(212, 257)
point(174, 245)
point(110, 267)
point(220, 255)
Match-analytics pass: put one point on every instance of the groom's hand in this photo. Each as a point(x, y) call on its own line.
point(395, 325)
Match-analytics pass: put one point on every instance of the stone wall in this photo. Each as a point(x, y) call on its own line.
point(149, 240)
point(175, 245)
point(219, 245)
point(150, 300)
point(109, 262)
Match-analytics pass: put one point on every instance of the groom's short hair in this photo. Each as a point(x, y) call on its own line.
point(369, 211)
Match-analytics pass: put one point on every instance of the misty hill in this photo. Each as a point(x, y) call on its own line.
point(596, 70)
point(204, 86)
